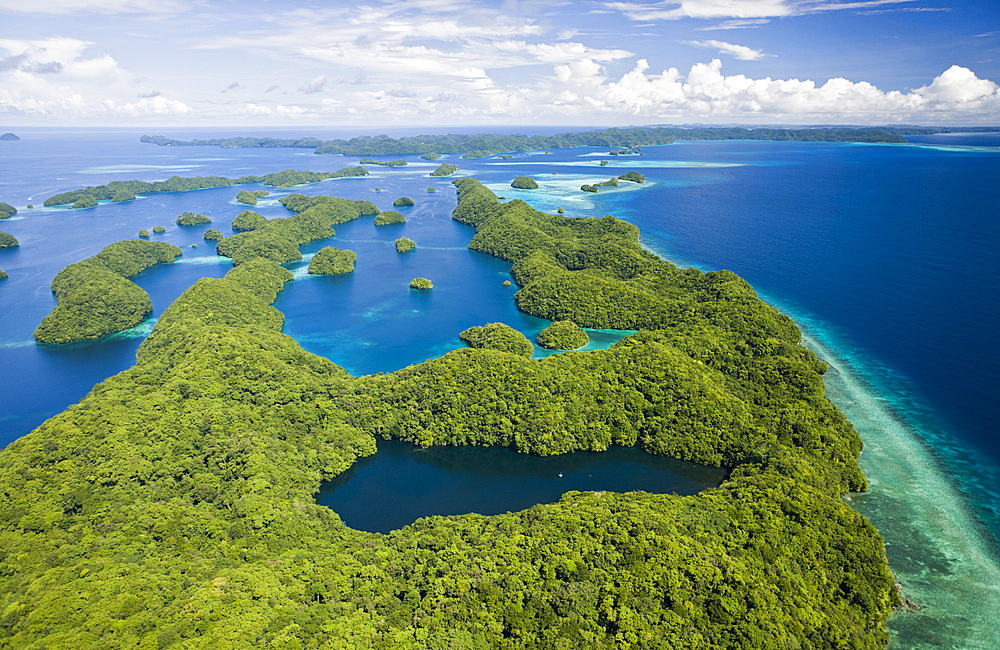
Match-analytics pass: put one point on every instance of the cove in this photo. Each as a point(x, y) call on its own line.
point(403, 482)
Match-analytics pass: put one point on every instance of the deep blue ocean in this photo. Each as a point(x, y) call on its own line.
point(888, 256)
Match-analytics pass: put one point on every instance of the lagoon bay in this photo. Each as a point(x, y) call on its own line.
point(884, 254)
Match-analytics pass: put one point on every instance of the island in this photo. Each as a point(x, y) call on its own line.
point(9, 137)
point(212, 235)
point(7, 210)
point(444, 169)
point(403, 202)
point(497, 336)
point(634, 177)
point(174, 505)
point(405, 245)
point(248, 220)
point(388, 218)
point(7, 240)
point(589, 188)
point(421, 284)
point(247, 197)
point(524, 183)
point(384, 163)
point(332, 261)
point(563, 335)
point(3, 274)
point(192, 219)
point(95, 298)
point(431, 156)
point(159, 229)
point(129, 190)
point(144, 234)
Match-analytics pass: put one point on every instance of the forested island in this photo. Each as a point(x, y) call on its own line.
point(120, 191)
point(332, 261)
point(95, 297)
point(623, 140)
point(174, 505)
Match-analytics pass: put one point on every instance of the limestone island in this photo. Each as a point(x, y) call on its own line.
point(524, 183)
point(9, 137)
point(403, 202)
point(405, 245)
point(497, 336)
point(192, 219)
point(445, 169)
point(332, 261)
point(388, 218)
point(421, 284)
point(7, 240)
point(248, 220)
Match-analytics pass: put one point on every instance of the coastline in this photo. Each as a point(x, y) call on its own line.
point(942, 554)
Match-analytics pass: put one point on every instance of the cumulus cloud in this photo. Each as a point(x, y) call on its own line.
point(737, 9)
point(741, 52)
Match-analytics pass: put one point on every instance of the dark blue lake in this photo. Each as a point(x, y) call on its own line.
point(886, 255)
point(403, 482)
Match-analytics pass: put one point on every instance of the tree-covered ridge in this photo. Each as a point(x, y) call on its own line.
point(332, 261)
point(279, 239)
point(173, 507)
point(95, 298)
point(119, 191)
point(487, 144)
point(497, 336)
point(247, 197)
point(248, 220)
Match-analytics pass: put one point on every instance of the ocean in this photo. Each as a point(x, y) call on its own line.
point(886, 256)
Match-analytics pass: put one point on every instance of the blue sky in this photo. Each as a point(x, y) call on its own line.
point(475, 62)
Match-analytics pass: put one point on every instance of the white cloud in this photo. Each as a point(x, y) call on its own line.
point(958, 85)
point(741, 52)
point(747, 23)
point(738, 9)
point(315, 85)
point(59, 7)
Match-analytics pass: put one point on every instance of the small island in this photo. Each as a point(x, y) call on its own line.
point(384, 163)
point(563, 335)
point(498, 336)
point(9, 137)
point(405, 245)
point(635, 177)
point(3, 274)
point(192, 219)
point(144, 233)
point(445, 169)
point(7, 240)
point(403, 202)
point(248, 197)
point(524, 183)
point(388, 218)
point(7, 210)
point(332, 261)
point(212, 235)
point(421, 284)
point(589, 188)
point(159, 229)
point(248, 220)
point(431, 156)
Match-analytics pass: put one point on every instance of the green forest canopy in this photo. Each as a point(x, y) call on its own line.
point(173, 507)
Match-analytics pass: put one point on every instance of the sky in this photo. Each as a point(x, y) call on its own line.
point(514, 62)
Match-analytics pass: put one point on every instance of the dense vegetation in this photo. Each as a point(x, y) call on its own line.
point(7, 240)
point(213, 235)
point(563, 335)
point(95, 298)
point(389, 217)
point(431, 156)
point(332, 261)
point(6, 210)
point(384, 163)
point(173, 507)
point(248, 220)
point(445, 169)
point(421, 284)
point(159, 229)
point(524, 183)
point(635, 177)
point(192, 219)
point(3, 274)
point(405, 245)
point(279, 239)
point(589, 188)
point(497, 336)
point(144, 233)
point(482, 145)
point(403, 202)
point(248, 197)
point(128, 190)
